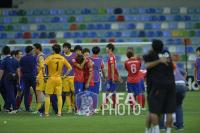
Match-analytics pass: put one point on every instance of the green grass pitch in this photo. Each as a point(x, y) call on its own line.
point(70, 123)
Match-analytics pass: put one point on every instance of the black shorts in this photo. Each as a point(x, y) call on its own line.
point(162, 100)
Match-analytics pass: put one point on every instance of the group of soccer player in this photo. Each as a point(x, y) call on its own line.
point(59, 77)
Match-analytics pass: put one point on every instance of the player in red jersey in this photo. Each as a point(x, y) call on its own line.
point(135, 76)
point(113, 75)
point(88, 71)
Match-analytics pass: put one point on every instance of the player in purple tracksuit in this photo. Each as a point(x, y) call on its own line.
point(98, 67)
point(197, 67)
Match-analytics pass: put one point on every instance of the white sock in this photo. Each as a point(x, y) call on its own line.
point(156, 129)
point(148, 130)
point(168, 130)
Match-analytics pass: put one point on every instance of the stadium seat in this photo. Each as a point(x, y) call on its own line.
point(161, 18)
point(187, 18)
point(18, 35)
point(103, 40)
point(117, 34)
point(159, 33)
point(13, 13)
point(118, 11)
point(131, 26)
point(173, 25)
point(67, 35)
point(12, 41)
point(91, 27)
point(111, 18)
point(109, 34)
point(95, 40)
point(76, 35)
point(26, 35)
point(148, 26)
point(9, 28)
point(73, 27)
point(169, 17)
point(51, 35)
point(78, 41)
point(23, 20)
point(183, 10)
point(156, 25)
point(166, 33)
point(150, 34)
point(120, 18)
point(167, 10)
point(52, 41)
point(85, 11)
point(99, 26)
point(140, 26)
point(33, 27)
point(72, 19)
point(41, 27)
point(181, 25)
point(43, 35)
point(55, 19)
point(7, 20)
point(153, 18)
point(120, 40)
point(133, 34)
point(82, 27)
point(59, 34)
point(122, 26)
point(114, 26)
point(165, 25)
point(35, 35)
point(92, 34)
point(142, 34)
point(111, 40)
point(107, 26)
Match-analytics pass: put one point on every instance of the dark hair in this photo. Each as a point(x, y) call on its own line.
point(38, 46)
point(28, 49)
point(68, 45)
point(96, 50)
point(130, 49)
point(17, 52)
point(198, 49)
point(56, 48)
point(78, 47)
point(86, 50)
point(110, 46)
point(157, 46)
point(79, 59)
point(12, 53)
point(6, 50)
point(130, 54)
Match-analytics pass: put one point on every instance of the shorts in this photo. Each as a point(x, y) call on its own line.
point(68, 84)
point(142, 85)
point(40, 84)
point(134, 88)
point(78, 87)
point(54, 86)
point(162, 100)
point(111, 87)
point(91, 89)
point(96, 87)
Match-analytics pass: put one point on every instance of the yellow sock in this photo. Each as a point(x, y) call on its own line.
point(59, 104)
point(68, 100)
point(47, 104)
point(39, 105)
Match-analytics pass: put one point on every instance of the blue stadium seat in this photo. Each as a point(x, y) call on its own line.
point(109, 34)
point(142, 10)
point(187, 18)
point(79, 19)
point(169, 18)
point(162, 18)
point(166, 34)
point(35, 35)
point(55, 19)
point(109, 10)
point(122, 26)
point(43, 35)
point(5, 12)
point(94, 11)
point(67, 35)
point(112, 18)
point(84, 34)
point(190, 49)
point(52, 35)
point(78, 41)
point(147, 26)
point(2, 28)
point(189, 25)
point(119, 40)
point(159, 33)
point(99, 26)
point(131, 26)
point(41, 27)
point(92, 34)
point(13, 13)
point(76, 35)
point(150, 10)
point(156, 25)
point(24, 28)
point(178, 41)
point(173, 25)
point(178, 18)
point(91, 26)
point(144, 18)
point(198, 33)
point(133, 34)
point(7, 20)
point(117, 34)
point(85, 11)
point(128, 18)
point(107, 26)
point(153, 18)
point(103, 40)
point(118, 11)
point(150, 34)
point(134, 11)
point(142, 34)
point(19, 35)
point(180, 49)
point(170, 41)
point(126, 34)
point(38, 20)
point(3, 35)
point(175, 11)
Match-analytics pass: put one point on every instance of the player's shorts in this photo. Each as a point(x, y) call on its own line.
point(91, 89)
point(142, 85)
point(54, 86)
point(198, 83)
point(40, 84)
point(68, 84)
point(96, 87)
point(162, 100)
point(110, 86)
point(134, 88)
point(78, 87)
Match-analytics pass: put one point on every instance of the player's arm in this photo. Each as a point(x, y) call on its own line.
point(41, 65)
point(80, 66)
point(113, 72)
point(1, 73)
point(69, 68)
point(152, 64)
point(195, 72)
point(103, 70)
point(90, 75)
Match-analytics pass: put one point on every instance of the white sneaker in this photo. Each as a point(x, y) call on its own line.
point(12, 112)
point(35, 112)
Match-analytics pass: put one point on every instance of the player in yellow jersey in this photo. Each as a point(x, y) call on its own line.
point(40, 84)
point(68, 82)
point(55, 64)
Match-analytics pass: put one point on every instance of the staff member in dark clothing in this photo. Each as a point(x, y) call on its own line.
point(10, 70)
point(28, 70)
point(162, 95)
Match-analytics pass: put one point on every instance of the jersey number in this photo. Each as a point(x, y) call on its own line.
point(57, 65)
point(133, 68)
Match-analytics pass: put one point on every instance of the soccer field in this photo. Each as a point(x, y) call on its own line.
point(30, 123)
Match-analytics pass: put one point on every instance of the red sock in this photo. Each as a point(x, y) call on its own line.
point(143, 101)
point(30, 100)
point(139, 98)
point(131, 102)
point(114, 100)
point(18, 101)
